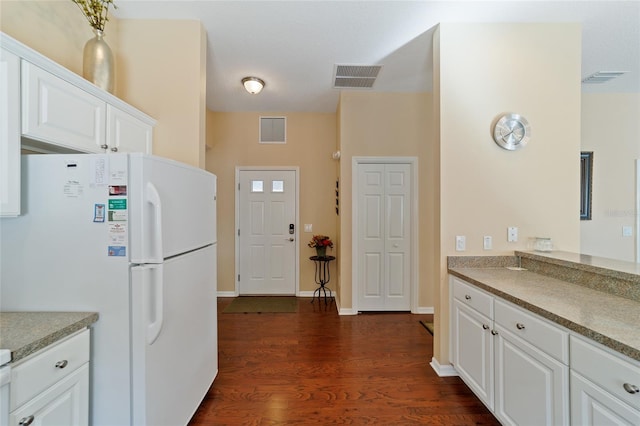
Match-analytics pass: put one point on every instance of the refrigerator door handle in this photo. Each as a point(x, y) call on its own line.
point(153, 198)
point(153, 290)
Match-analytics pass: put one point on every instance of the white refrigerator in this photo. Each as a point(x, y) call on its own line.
point(132, 237)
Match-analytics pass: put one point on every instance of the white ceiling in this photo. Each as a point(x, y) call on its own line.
point(294, 45)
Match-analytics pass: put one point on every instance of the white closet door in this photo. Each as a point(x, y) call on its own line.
point(384, 239)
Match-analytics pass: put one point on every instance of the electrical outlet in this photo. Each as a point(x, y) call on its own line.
point(512, 234)
point(461, 243)
point(308, 227)
point(487, 242)
point(627, 231)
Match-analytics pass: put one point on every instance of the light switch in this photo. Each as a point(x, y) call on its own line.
point(487, 242)
point(461, 243)
point(308, 227)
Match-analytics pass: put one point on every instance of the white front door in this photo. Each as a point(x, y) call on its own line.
point(384, 237)
point(267, 232)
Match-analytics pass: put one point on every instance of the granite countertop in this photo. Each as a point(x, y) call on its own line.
point(605, 318)
point(27, 332)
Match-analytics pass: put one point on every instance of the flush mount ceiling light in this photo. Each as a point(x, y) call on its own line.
point(602, 76)
point(253, 85)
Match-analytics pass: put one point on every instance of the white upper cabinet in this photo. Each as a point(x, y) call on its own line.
point(56, 112)
point(63, 112)
point(126, 133)
point(9, 134)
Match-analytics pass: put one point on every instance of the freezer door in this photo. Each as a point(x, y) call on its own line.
point(172, 208)
point(174, 337)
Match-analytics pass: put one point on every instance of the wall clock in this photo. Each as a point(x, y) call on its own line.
point(512, 131)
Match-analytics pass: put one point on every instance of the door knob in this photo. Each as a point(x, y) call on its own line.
point(290, 239)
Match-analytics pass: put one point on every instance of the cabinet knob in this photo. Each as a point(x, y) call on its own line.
point(520, 326)
point(466, 296)
point(485, 326)
point(494, 332)
point(114, 149)
point(631, 388)
point(26, 421)
point(62, 364)
point(104, 146)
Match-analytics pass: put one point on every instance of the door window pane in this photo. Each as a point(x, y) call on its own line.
point(257, 186)
point(277, 186)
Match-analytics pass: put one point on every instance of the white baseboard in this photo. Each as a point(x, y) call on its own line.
point(305, 294)
point(227, 294)
point(446, 370)
point(424, 310)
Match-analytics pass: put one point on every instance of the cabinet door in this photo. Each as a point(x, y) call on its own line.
point(9, 134)
point(532, 388)
point(473, 351)
point(592, 406)
point(57, 112)
point(126, 133)
point(64, 403)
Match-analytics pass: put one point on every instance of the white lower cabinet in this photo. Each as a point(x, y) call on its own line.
point(605, 386)
point(52, 386)
point(502, 354)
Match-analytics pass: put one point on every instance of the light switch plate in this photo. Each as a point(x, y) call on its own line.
point(308, 227)
point(512, 234)
point(487, 242)
point(461, 243)
point(627, 231)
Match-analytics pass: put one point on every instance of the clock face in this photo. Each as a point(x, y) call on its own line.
point(511, 131)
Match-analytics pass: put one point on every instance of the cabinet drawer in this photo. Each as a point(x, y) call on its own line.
point(540, 333)
point(605, 369)
point(473, 297)
point(41, 371)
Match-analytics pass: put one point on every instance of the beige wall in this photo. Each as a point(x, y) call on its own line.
point(611, 129)
point(56, 29)
point(160, 65)
point(311, 139)
point(160, 68)
point(486, 70)
point(385, 124)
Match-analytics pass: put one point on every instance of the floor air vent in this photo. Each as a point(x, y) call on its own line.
point(356, 76)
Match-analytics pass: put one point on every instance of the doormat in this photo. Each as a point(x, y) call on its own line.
point(258, 304)
point(428, 326)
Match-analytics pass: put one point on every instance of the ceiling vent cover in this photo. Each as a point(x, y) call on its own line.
point(602, 77)
point(356, 76)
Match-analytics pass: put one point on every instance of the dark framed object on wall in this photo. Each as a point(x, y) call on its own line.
point(586, 178)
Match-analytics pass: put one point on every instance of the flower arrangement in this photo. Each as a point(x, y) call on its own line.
point(95, 11)
point(320, 241)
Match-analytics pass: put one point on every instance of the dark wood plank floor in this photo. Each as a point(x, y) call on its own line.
point(315, 367)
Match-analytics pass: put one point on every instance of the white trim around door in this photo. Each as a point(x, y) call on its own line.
point(296, 234)
point(413, 164)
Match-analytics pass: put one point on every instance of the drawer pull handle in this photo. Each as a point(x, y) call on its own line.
point(114, 149)
point(520, 326)
point(104, 146)
point(485, 326)
point(494, 332)
point(631, 388)
point(62, 364)
point(26, 421)
point(466, 296)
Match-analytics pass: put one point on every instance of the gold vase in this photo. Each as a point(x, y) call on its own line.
point(98, 64)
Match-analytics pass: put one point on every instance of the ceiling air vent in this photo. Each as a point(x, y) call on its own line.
point(355, 76)
point(602, 77)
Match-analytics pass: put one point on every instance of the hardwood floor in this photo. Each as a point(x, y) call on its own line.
point(315, 367)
